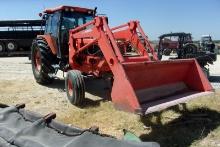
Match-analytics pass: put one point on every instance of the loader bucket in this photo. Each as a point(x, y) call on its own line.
point(146, 87)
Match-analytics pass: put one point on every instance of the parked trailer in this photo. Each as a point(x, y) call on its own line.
point(16, 36)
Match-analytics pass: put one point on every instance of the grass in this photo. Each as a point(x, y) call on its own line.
point(196, 124)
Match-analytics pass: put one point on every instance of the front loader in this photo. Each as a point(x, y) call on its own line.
point(81, 43)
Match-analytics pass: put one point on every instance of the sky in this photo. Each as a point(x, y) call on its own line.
point(199, 17)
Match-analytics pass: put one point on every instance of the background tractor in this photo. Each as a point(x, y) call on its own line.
point(180, 43)
point(206, 43)
point(80, 43)
point(183, 46)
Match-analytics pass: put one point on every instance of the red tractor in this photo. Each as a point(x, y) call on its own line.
point(80, 43)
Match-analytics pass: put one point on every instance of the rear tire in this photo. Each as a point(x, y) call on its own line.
point(75, 87)
point(190, 50)
point(42, 59)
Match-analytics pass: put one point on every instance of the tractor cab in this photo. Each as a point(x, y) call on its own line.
point(60, 20)
point(175, 42)
point(206, 44)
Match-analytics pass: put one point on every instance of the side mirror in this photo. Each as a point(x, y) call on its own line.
point(40, 14)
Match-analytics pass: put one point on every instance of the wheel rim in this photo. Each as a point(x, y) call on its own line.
point(70, 87)
point(11, 46)
point(37, 60)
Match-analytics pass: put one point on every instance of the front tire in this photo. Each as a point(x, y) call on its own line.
point(75, 87)
point(42, 59)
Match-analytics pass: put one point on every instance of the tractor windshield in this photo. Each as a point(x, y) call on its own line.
point(74, 19)
point(71, 20)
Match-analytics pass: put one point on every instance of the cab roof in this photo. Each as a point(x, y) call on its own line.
point(68, 8)
point(206, 35)
point(175, 34)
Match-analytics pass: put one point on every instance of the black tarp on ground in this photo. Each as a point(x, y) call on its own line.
point(20, 128)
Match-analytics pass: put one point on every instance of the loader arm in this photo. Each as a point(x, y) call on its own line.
point(142, 84)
